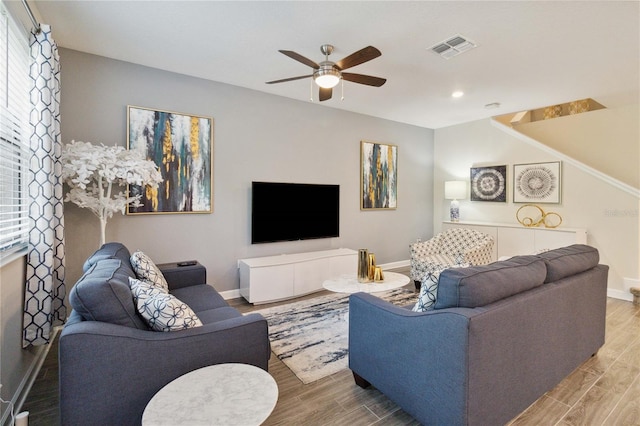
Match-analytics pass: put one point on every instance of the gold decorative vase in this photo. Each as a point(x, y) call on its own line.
point(378, 276)
point(371, 266)
point(363, 266)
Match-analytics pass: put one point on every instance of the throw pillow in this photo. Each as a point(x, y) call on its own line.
point(146, 270)
point(162, 311)
point(429, 288)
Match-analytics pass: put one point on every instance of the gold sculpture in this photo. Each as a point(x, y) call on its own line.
point(545, 218)
point(363, 266)
point(371, 266)
point(378, 276)
point(367, 269)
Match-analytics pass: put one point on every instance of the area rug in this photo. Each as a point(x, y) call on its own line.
point(312, 336)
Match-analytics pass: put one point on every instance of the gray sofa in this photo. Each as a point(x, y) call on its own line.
point(111, 364)
point(500, 336)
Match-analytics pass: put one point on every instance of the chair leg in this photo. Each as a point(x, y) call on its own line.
point(418, 284)
point(360, 381)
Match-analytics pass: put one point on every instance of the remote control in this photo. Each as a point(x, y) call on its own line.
point(188, 263)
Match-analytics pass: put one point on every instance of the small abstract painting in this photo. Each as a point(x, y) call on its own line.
point(539, 183)
point(181, 146)
point(489, 184)
point(378, 176)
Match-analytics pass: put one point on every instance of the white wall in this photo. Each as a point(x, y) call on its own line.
point(609, 214)
point(256, 137)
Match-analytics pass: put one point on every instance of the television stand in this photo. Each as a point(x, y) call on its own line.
point(273, 278)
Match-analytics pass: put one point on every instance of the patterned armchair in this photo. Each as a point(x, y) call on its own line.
point(453, 247)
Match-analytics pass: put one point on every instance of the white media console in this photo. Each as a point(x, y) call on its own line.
point(272, 278)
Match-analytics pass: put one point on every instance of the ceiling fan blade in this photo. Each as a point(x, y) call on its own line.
point(369, 80)
point(359, 57)
point(298, 57)
point(325, 94)
point(300, 77)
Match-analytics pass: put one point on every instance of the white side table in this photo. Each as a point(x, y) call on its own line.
point(222, 394)
point(350, 284)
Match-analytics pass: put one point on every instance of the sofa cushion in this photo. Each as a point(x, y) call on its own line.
point(161, 310)
point(218, 314)
point(146, 270)
point(200, 297)
point(570, 260)
point(107, 251)
point(103, 294)
point(480, 285)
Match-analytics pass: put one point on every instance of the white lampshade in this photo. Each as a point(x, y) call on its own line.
point(326, 78)
point(455, 190)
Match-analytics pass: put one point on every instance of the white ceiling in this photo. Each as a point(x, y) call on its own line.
point(530, 54)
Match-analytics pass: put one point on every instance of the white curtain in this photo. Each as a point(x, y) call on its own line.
point(44, 306)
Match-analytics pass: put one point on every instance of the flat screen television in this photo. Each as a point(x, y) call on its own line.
point(294, 211)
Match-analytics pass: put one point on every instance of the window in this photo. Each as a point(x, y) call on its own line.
point(14, 136)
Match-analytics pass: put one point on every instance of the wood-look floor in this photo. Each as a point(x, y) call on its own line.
point(605, 390)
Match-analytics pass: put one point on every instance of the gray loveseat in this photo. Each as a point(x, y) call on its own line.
point(111, 364)
point(500, 336)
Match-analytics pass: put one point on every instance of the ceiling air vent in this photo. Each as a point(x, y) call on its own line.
point(453, 46)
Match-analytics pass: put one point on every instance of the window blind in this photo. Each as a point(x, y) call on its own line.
point(14, 136)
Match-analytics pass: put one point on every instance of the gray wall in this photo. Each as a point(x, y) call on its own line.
point(16, 364)
point(256, 137)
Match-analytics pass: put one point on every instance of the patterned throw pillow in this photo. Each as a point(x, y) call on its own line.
point(429, 288)
point(146, 270)
point(428, 291)
point(162, 311)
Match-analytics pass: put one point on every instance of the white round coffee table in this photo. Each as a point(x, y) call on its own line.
point(222, 394)
point(350, 284)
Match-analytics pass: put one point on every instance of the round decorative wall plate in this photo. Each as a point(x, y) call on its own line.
point(489, 183)
point(537, 183)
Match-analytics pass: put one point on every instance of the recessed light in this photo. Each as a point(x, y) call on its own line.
point(457, 94)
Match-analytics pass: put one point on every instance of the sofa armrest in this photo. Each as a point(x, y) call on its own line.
point(108, 373)
point(418, 359)
point(183, 276)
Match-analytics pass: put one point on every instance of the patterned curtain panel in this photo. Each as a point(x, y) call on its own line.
point(45, 292)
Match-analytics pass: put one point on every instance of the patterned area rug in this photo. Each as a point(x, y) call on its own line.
point(312, 337)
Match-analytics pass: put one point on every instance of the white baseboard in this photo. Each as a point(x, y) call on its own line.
point(619, 294)
point(20, 395)
point(230, 294)
point(627, 283)
point(395, 265)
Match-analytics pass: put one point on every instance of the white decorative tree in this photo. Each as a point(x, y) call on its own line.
point(93, 173)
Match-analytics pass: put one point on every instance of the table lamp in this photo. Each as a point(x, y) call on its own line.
point(455, 190)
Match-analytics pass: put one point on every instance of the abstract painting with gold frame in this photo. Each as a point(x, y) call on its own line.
point(378, 176)
point(181, 145)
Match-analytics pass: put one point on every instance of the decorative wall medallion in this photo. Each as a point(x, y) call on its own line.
point(489, 184)
point(539, 182)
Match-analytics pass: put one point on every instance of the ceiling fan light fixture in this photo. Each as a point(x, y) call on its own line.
point(327, 78)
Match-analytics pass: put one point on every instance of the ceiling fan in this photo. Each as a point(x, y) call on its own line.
point(328, 74)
